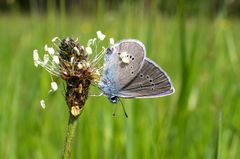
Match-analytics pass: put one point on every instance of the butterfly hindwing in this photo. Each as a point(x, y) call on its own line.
point(151, 81)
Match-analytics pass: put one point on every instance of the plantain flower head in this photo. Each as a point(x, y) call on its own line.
point(77, 65)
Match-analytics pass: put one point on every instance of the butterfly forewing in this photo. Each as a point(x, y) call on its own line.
point(151, 81)
point(118, 74)
point(136, 54)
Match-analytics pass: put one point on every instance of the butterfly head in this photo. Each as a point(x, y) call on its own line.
point(113, 99)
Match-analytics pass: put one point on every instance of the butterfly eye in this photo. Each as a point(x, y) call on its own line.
point(132, 72)
point(150, 80)
point(141, 75)
point(113, 99)
point(147, 77)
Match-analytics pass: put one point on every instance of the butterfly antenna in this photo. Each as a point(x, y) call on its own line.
point(115, 110)
point(123, 109)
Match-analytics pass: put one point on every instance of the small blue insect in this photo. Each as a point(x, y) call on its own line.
point(128, 73)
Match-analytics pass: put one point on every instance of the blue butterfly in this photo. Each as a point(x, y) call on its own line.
point(128, 73)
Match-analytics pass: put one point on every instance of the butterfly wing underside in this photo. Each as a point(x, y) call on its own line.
point(116, 73)
point(151, 81)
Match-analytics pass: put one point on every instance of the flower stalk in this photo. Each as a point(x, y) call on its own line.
point(78, 80)
point(72, 124)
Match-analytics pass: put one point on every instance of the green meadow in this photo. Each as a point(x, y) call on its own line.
point(200, 120)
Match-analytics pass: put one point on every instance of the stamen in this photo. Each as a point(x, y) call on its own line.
point(98, 57)
point(111, 41)
point(54, 86)
point(89, 50)
point(45, 59)
point(100, 35)
point(56, 59)
point(50, 50)
point(42, 104)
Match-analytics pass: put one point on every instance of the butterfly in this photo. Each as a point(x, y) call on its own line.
point(128, 73)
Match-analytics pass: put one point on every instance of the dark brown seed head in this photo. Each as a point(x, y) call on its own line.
point(77, 73)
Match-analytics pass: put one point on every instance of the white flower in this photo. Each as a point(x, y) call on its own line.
point(54, 86)
point(100, 35)
point(42, 103)
point(125, 60)
point(89, 50)
point(35, 57)
point(50, 50)
point(111, 41)
point(56, 59)
point(45, 59)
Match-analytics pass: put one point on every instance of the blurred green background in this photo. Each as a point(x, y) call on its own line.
point(197, 42)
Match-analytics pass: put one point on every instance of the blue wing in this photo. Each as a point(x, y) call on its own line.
point(117, 74)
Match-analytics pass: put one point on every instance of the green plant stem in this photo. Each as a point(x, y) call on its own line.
point(72, 124)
